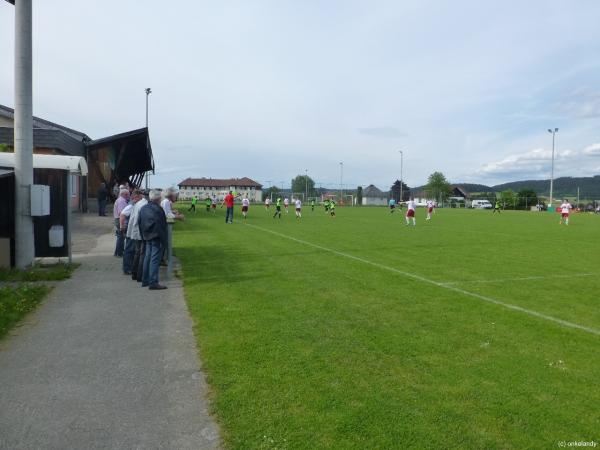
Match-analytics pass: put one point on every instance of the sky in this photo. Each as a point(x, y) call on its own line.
point(271, 89)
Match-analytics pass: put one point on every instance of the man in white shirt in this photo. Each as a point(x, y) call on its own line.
point(124, 220)
point(267, 203)
point(565, 210)
point(133, 234)
point(298, 208)
point(410, 212)
point(245, 206)
point(167, 203)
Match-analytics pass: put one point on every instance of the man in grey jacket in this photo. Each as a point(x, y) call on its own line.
point(134, 236)
point(152, 224)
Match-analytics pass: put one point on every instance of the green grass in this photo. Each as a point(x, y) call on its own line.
point(309, 349)
point(16, 302)
point(54, 272)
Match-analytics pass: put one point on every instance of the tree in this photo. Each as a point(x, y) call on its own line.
point(395, 191)
point(274, 190)
point(507, 198)
point(359, 194)
point(526, 198)
point(438, 187)
point(299, 185)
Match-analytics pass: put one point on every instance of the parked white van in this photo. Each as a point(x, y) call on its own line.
point(481, 204)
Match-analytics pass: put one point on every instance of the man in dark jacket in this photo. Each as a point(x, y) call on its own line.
point(102, 196)
point(153, 228)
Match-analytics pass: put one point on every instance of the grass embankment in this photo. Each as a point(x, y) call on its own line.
point(307, 349)
point(21, 295)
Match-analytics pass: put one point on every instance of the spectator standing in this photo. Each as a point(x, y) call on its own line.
point(102, 196)
point(118, 208)
point(153, 228)
point(129, 252)
point(133, 233)
point(167, 205)
point(228, 202)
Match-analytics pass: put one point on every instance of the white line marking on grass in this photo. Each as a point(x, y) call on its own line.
point(484, 298)
point(501, 280)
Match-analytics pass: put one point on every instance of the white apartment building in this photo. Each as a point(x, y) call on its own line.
point(207, 187)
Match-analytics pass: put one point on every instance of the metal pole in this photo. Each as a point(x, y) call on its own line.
point(552, 169)
point(306, 180)
point(148, 92)
point(69, 217)
point(23, 129)
point(341, 181)
point(270, 189)
point(170, 249)
point(401, 175)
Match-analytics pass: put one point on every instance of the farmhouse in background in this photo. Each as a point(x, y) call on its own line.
point(207, 187)
point(372, 196)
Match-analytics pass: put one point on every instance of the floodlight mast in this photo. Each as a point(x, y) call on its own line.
point(553, 132)
point(306, 185)
point(148, 92)
point(401, 177)
point(341, 181)
point(23, 134)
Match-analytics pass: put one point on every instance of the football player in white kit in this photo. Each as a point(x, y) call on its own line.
point(565, 210)
point(430, 208)
point(298, 208)
point(267, 203)
point(286, 203)
point(245, 206)
point(410, 212)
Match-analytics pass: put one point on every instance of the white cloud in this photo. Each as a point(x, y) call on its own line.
point(592, 150)
point(536, 163)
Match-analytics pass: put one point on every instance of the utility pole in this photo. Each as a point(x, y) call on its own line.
point(23, 138)
point(148, 92)
point(270, 189)
point(553, 131)
point(401, 177)
point(306, 180)
point(341, 181)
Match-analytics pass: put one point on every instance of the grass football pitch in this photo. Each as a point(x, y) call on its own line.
point(471, 330)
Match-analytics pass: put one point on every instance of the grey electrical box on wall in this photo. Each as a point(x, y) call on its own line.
point(40, 200)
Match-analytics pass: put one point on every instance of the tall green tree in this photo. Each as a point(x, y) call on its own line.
point(508, 198)
point(395, 191)
point(299, 185)
point(272, 190)
point(526, 198)
point(438, 187)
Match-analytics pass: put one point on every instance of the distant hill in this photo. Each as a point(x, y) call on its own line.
point(470, 187)
point(589, 187)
